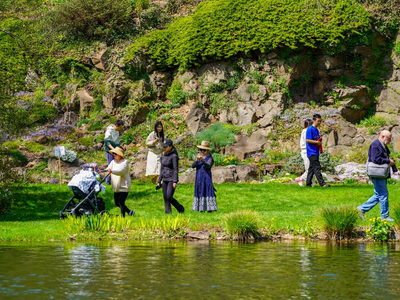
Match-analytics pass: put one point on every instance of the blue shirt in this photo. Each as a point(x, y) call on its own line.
point(312, 134)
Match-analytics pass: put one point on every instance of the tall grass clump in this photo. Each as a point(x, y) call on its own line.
point(105, 223)
point(243, 225)
point(167, 225)
point(339, 221)
point(396, 215)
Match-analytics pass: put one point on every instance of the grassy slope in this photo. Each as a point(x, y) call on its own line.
point(35, 213)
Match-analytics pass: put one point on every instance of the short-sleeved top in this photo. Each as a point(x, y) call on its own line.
point(312, 134)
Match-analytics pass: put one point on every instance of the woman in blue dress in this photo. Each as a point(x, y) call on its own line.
point(204, 192)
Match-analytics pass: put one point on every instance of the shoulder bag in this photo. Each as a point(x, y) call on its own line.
point(377, 171)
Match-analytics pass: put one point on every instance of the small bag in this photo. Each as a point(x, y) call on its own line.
point(378, 171)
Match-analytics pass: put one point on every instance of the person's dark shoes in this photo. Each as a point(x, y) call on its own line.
point(182, 211)
point(309, 186)
point(209, 211)
point(158, 187)
point(326, 185)
point(361, 214)
point(131, 213)
point(389, 219)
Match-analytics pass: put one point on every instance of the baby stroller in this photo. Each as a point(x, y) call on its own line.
point(85, 187)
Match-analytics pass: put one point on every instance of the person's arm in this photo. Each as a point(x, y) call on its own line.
point(194, 164)
point(151, 140)
point(378, 155)
point(107, 139)
point(120, 169)
point(161, 174)
point(311, 137)
point(175, 169)
point(208, 162)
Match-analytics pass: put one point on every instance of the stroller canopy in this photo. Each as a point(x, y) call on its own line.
point(83, 181)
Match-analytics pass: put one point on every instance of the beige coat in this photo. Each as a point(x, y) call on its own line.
point(120, 178)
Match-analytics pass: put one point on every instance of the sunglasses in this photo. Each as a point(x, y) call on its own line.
point(203, 150)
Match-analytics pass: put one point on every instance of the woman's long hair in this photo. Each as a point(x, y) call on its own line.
point(307, 123)
point(161, 134)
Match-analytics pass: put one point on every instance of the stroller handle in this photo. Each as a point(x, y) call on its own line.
point(105, 177)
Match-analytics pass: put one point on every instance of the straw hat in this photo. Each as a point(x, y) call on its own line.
point(118, 151)
point(204, 145)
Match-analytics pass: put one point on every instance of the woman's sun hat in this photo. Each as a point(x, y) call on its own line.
point(204, 145)
point(119, 151)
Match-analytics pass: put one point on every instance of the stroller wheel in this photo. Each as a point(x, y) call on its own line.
point(103, 212)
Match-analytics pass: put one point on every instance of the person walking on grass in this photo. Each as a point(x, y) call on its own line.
point(120, 180)
point(204, 192)
point(111, 140)
point(378, 153)
point(154, 143)
point(169, 176)
point(303, 147)
point(314, 144)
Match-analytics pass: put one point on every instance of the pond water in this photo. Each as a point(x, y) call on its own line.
point(199, 270)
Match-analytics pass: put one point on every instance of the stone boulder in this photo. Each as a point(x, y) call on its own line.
point(188, 81)
point(354, 103)
point(85, 100)
point(246, 146)
point(140, 91)
point(198, 235)
point(187, 177)
point(274, 106)
point(70, 118)
point(66, 168)
point(389, 98)
point(396, 138)
point(197, 118)
point(223, 175)
point(160, 82)
point(346, 133)
point(138, 168)
point(213, 73)
point(247, 172)
point(99, 60)
point(134, 115)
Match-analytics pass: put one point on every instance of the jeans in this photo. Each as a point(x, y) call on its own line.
point(168, 192)
point(314, 169)
point(109, 158)
point(381, 196)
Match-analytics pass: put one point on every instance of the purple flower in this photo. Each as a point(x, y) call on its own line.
point(54, 181)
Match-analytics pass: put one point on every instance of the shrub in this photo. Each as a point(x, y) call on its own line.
point(100, 138)
point(380, 230)
point(374, 121)
point(220, 101)
point(81, 122)
point(176, 94)
point(86, 141)
point(224, 28)
point(11, 145)
point(243, 225)
point(34, 147)
point(217, 135)
point(96, 126)
point(338, 221)
point(92, 19)
point(18, 157)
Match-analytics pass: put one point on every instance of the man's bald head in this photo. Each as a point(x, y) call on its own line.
point(385, 136)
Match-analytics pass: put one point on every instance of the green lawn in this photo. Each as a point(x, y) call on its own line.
point(35, 214)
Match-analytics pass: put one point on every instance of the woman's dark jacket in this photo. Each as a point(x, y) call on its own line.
point(169, 167)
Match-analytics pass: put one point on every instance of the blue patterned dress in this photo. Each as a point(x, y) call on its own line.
point(204, 192)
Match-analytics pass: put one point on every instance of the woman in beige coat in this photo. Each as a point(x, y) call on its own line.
point(120, 180)
point(154, 143)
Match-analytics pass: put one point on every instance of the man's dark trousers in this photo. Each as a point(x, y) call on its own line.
point(315, 168)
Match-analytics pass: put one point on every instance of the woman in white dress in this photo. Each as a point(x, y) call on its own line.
point(154, 143)
point(303, 147)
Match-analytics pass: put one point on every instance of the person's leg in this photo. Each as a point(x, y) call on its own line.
point(116, 200)
point(306, 166)
point(179, 207)
point(166, 197)
point(316, 167)
point(310, 174)
point(371, 202)
point(109, 158)
point(383, 196)
point(122, 199)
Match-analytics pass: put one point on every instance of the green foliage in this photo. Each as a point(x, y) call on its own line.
point(380, 230)
point(276, 156)
point(34, 147)
point(295, 164)
point(98, 125)
point(11, 145)
point(104, 20)
point(100, 138)
point(374, 122)
point(224, 28)
point(176, 94)
point(18, 157)
point(217, 135)
point(103, 223)
point(242, 225)
point(86, 141)
point(239, 129)
point(339, 221)
point(220, 101)
point(167, 225)
point(396, 214)
point(40, 166)
point(81, 122)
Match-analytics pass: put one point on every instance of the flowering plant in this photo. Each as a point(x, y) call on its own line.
point(232, 160)
point(380, 230)
point(69, 156)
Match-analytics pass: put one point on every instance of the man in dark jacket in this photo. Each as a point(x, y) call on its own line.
point(169, 176)
point(378, 153)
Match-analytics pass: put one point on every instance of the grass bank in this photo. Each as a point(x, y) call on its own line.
point(35, 214)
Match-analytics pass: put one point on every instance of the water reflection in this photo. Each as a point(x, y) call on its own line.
point(193, 270)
